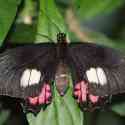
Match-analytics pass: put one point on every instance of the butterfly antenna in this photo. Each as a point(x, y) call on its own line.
point(50, 20)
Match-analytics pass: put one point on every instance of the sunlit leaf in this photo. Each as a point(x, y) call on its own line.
point(50, 21)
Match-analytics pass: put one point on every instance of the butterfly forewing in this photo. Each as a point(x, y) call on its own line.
point(17, 65)
point(106, 64)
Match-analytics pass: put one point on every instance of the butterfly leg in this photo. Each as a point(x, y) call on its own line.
point(44, 96)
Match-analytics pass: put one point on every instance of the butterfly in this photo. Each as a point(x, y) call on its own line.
point(27, 71)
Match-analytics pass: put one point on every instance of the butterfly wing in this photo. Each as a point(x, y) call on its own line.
point(102, 67)
point(18, 64)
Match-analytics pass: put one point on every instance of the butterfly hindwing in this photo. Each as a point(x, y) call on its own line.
point(106, 64)
point(17, 65)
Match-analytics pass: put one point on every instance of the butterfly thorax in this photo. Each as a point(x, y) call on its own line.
point(61, 46)
point(61, 38)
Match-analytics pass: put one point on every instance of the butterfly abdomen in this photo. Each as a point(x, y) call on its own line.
point(62, 78)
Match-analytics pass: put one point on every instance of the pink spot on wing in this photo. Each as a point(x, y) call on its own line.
point(33, 100)
point(45, 94)
point(93, 98)
point(84, 91)
point(48, 88)
point(41, 100)
point(77, 86)
point(43, 97)
point(77, 93)
point(48, 94)
point(80, 91)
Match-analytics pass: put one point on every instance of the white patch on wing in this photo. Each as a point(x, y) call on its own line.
point(92, 75)
point(34, 77)
point(25, 78)
point(30, 77)
point(101, 76)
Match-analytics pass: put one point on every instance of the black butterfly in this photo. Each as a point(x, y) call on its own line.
point(27, 71)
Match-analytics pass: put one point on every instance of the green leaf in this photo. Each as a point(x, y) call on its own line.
point(119, 108)
point(28, 11)
point(106, 118)
point(62, 111)
point(50, 21)
point(102, 39)
point(23, 34)
point(8, 11)
point(87, 9)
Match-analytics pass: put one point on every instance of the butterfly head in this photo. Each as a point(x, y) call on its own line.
point(61, 38)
